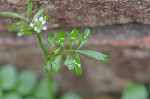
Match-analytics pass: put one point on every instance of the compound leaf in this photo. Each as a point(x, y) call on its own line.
point(96, 55)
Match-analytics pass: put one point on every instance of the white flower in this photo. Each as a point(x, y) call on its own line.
point(43, 22)
point(44, 28)
point(41, 19)
point(38, 31)
point(31, 25)
point(35, 28)
point(36, 20)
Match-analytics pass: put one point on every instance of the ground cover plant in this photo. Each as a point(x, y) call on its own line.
point(135, 91)
point(26, 84)
point(36, 24)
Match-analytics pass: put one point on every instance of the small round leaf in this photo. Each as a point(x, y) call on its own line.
point(9, 77)
point(12, 96)
point(27, 82)
point(135, 91)
point(1, 94)
point(71, 95)
point(42, 91)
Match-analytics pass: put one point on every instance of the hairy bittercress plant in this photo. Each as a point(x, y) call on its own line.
point(54, 58)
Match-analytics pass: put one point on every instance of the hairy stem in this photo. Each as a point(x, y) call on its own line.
point(49, 75)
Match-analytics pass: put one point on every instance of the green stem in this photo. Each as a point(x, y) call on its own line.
point(49, 75)
point(65, 51)
point(41, 45)
point(50, 80)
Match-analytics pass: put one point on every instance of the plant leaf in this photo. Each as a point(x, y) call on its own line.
point(56, 63)
point(42, 91)
point(28, 32)
point(51, 40)
point(9, 77)
point(84, 37)
point(12, 95)
point(73, 36)
point(69, 62)
point(16, 25)
point(61, 38)
point(96, 55)
point(1, 93)
point(39, 13)
point(29, 97)
point(22, 31)
point(70, 95)
point(27, 82)
point(13, 15)
point(29, 9)
point(78, 67)
point(135, 91)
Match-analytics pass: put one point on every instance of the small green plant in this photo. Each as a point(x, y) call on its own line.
point(53, 58)
point(25, 84)
point(135, 91)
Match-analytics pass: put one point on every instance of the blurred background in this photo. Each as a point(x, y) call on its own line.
point(119, 28)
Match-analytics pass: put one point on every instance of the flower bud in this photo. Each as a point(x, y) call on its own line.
point(41, 19)
point(44, 27)
point(43, 22)
point(31, 25)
